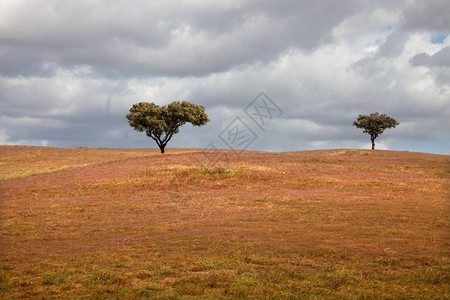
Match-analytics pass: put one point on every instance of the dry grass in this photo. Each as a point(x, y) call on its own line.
point(116, 223)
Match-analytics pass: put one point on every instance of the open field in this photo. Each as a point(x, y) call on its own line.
point(131, 223)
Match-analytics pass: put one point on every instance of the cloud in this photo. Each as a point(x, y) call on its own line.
point(438, 64)
point(427, 15)
point(70, 71)
point(439, 59)
point(172, 38)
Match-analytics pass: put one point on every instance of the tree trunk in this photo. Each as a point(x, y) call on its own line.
point(162, 149)
point(373, 144)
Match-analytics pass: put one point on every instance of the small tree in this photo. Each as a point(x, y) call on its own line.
point(374, 124)
point(162, 122)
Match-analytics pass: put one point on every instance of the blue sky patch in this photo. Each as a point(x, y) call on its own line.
point(438, 38)
point(387, 28)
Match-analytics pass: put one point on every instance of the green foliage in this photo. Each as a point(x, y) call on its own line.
point(374, 124)
point(161, 122)
point(53, 279)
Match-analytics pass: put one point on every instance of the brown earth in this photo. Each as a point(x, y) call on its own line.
point(131, 223)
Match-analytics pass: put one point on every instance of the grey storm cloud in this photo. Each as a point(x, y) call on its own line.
point(438, 63)
point(427, 15)
point(439, 59)
point(170, 38)
point(70, 70)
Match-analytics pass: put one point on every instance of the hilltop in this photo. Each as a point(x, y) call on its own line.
point(132, 223)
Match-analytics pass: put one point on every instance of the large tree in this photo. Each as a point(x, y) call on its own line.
point(374, 124)
point(162, 122)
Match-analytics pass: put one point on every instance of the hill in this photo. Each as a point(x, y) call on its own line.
point(131, 223)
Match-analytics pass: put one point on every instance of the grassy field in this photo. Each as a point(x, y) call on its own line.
point(131, 223)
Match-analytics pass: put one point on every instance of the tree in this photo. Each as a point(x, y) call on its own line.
point(162, 122)
point(374, 124)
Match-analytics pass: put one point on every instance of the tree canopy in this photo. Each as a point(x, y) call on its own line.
point(161, 122)
point(374, 124)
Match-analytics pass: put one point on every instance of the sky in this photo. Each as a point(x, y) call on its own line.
point(291, 74)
